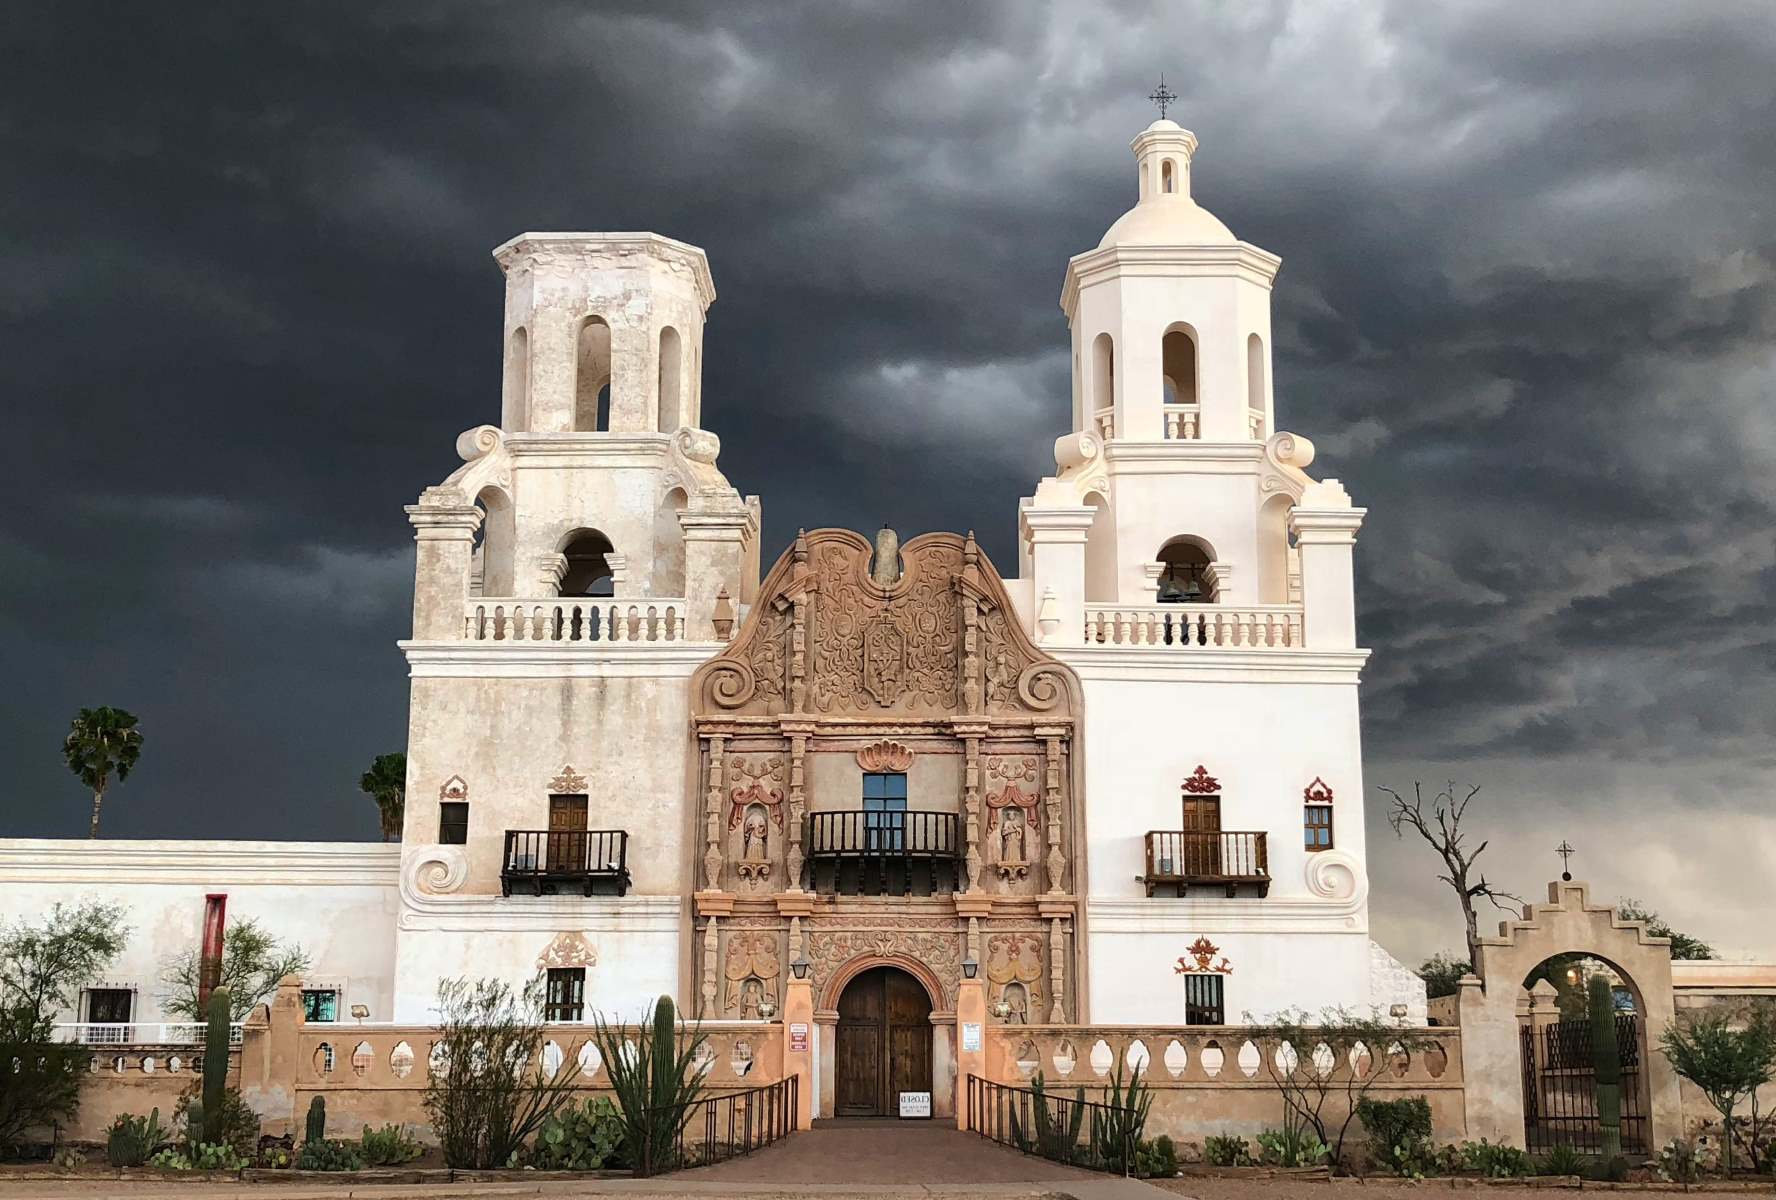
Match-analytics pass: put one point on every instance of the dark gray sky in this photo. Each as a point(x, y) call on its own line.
point(1525, 312)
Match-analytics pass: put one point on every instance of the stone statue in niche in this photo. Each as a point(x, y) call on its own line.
point(755, 810)
point(1011, 830)
point(756, 835)
point(1014, 967)
point(750, 973)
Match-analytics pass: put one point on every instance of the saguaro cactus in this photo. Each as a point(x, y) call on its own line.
point(1606, 1063)
point(316, 1128)
point(215, 1066)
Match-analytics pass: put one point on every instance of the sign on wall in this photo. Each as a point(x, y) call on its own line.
point(798, 1037)
point(915, 1106)
point(971, 1037)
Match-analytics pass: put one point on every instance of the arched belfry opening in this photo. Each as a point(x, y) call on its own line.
point(1184, 572)
point(588, 564)
point(518, 380)
point(883, 1042)
point(1168, 175)
point(495, 542)
point(592, 376)
point(1178, 356)
point(1103, 373)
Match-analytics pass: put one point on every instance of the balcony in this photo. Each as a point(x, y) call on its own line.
point(883, 853)
point(1185, 628)
point(574, 619)
point(1177, 859)
point(547, 862)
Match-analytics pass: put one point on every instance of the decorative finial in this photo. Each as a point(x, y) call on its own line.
point(1565, 852)
point(1162, 96)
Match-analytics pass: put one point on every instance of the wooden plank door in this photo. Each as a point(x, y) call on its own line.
point(909, 1038)
point(859, 1080)
point(1202, 843)
point(567, 833)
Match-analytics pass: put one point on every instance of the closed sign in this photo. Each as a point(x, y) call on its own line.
point(915, 1104)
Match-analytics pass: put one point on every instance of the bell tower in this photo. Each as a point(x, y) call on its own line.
point(1170, 314)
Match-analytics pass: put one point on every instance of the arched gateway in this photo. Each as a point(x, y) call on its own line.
point(883, 1042)
point(887, 788)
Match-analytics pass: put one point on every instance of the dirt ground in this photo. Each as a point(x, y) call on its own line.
point(1368, 1189)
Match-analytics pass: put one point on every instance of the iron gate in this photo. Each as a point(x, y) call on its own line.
point(1560, 1088)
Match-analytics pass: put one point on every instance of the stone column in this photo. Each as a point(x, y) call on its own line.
point(1325, 538)
point(1057, 563)
point(444, 525)
point(715, 552)
point(971, 732)
point(798, 1045)
point(798, 731)
point(1056, 860)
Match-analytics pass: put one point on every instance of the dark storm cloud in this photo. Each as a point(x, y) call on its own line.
point(1526, 312)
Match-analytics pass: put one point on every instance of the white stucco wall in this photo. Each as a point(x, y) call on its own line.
point(338, 900)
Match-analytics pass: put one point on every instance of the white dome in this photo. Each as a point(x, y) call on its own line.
point(1168, 221)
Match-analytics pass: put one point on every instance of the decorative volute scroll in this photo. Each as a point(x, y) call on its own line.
point(827, 638)
point(885, 756)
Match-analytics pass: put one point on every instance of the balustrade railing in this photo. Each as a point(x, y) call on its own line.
point(1190, 626)
point(1183, 422)
point(1181, 858)
point(575, 619)
point(883, 853)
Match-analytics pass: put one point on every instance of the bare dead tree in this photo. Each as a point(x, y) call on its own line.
point(1441, 827)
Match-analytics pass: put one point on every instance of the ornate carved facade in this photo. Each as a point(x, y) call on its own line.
point(888, 661)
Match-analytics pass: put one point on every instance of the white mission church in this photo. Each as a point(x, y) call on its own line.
point(1119, 779)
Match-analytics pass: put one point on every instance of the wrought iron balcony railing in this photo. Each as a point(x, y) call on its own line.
point(1177, 859)
point(546, 861)
point(881, 853)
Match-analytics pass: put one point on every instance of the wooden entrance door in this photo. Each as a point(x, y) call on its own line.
point(567, 833)
point(884, 1043)
point(1202, 837)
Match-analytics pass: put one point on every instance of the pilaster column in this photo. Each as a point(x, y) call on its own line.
point(798, 1035)
point(971, 1042)
point(1057, 563)
point(618, 565)
point(1051, 808)
point(1325, 538)
point(971, 733)
point(715, 552)
point(444, 525)
point(712, 816)
point(551, 569)
point(798, 732)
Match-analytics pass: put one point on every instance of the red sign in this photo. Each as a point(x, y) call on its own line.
point(798, 1038)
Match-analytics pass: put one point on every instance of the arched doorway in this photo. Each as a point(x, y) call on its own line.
point(883, 1043)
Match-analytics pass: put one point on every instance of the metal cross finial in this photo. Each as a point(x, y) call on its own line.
point(1565, 852)
point(1162, 96)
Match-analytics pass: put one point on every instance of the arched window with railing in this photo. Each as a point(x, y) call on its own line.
point(1184, 576)
point(1103, 397)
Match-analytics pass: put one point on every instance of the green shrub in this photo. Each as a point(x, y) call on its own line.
point(234, 1122)
point(170, 1160)
point(1680, 1161)
point(1220, 1151)
point(1495, 1160)
point(1292, 1146)
point(132, 1140)
point(1395, 1122)
point(1157, 1159)
point(654, 1080)
point(1613, 1169)
point(329, 1154)
point(389, 1146)
point(1561, 1160)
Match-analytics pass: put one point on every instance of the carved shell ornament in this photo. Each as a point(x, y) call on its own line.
point(885, 756)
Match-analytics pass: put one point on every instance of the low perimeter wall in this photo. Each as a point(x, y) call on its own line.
point(1215, 1080)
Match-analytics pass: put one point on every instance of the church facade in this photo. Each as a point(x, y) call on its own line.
point(1119, 779)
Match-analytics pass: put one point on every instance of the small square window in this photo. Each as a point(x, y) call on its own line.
point(1316, 822)
point(453, 823)
point(320, 1005)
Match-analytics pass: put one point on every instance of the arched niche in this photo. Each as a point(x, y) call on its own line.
point(517, 383)
point(671, 399)
point(498, 534)
point(592, 376)
point(1273, 550)
point(1184, 576)
point(588, 567)
point(1179, 363)
point(1103, 372)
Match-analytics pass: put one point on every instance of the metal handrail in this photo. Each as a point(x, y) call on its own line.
point(565, 855)
point(882, 834)
point(712, 1129)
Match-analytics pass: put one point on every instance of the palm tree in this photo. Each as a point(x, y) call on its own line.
point(100, 743)
point(386, 783)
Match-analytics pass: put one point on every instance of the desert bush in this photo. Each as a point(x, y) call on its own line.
point(389, 1146)
point(1226, 1151)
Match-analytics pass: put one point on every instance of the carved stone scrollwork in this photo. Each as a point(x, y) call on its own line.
point(940, 951)
point(750, 974)
point(755, 817)
point(1014, 969)
point(435, 870)
point(885, 756)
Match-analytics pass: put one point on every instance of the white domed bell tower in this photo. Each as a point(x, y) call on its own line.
point(1170, 314)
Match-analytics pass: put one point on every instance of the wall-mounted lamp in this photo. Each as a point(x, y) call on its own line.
point(800, 967)
point(970, 967)
point(360, 1011)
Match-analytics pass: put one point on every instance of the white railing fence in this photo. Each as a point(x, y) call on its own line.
point(1186, 627)
point(139, 1033)
point(1182, 422)
point(590, 619)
